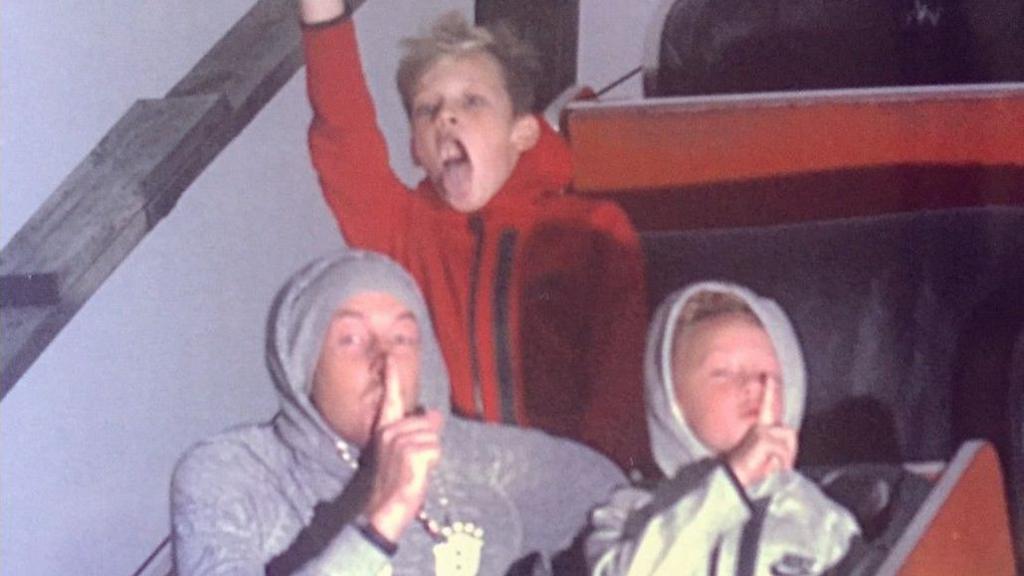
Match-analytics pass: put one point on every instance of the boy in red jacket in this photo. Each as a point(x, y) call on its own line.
point(538, 297)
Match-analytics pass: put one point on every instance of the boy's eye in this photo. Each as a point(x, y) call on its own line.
point(742, 378)
point(473, 100)
point(724, 376)
point(424, 111)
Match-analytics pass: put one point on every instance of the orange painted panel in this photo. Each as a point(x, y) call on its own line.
point(668, 143)
point(970, 534)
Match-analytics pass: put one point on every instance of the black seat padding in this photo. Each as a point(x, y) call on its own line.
point(883, 498)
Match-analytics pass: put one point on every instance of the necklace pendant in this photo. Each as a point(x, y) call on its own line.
point(458, 553)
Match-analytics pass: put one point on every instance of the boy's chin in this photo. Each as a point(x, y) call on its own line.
point(464, 202)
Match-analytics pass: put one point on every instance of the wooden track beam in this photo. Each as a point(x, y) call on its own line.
point(133, 178)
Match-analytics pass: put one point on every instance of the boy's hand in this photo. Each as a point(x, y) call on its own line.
point(316, 11)
point(406, 450)
point(767, 447)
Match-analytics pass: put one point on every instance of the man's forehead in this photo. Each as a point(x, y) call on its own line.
point(373, 304)
point(343, 313)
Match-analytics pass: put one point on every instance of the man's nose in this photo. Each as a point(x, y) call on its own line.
point(377, 352)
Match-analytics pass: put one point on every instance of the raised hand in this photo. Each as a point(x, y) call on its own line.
point(406, 449)
point(768, 446)
point(315, 11)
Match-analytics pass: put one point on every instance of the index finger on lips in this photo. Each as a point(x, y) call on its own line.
point(391, 407)
point(766, 416)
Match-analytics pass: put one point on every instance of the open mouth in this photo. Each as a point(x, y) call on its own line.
point(456, 168)
point(452, 150)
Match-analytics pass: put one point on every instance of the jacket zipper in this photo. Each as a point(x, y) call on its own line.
point(476, 225)
point(502, 337)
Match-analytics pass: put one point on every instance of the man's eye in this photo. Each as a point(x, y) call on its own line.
point(473, 100)
point(405, 340)
point(351, 340)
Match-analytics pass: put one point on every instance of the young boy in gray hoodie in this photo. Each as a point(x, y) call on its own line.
point(725, 386)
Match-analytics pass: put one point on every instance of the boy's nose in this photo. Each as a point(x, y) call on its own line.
point(753, 384)
point(447, 115)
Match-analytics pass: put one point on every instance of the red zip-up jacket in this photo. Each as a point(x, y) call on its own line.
point(539, 298)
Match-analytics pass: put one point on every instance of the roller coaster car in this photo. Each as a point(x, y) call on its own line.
point(889, 224)
point(862, 163)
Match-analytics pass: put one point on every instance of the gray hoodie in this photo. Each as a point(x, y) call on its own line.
point(700, 520)
point(249, 496)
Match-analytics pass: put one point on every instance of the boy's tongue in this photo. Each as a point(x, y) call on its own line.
point(457, 173)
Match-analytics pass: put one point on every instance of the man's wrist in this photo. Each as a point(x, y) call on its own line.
point(389, 520)
point(380, 541)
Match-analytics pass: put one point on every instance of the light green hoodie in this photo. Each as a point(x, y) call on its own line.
point(699, 520)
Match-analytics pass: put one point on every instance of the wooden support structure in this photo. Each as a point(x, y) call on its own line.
point(769, 158)
point(133, 178)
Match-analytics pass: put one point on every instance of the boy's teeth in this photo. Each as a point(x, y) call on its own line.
point(452, 151)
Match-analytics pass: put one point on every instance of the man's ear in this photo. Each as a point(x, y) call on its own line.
point(525, 132)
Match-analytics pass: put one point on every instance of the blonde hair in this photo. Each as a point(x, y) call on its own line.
point(707, 305)
point(451, 35)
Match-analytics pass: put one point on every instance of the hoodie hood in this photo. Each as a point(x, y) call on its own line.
point(545, 168)
point(297, 326)
point(673, 443)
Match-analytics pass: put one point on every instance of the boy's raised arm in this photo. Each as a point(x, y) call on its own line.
point(348, 150)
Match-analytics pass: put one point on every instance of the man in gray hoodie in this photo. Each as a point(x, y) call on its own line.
point(725, 388)
point(364, 471)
